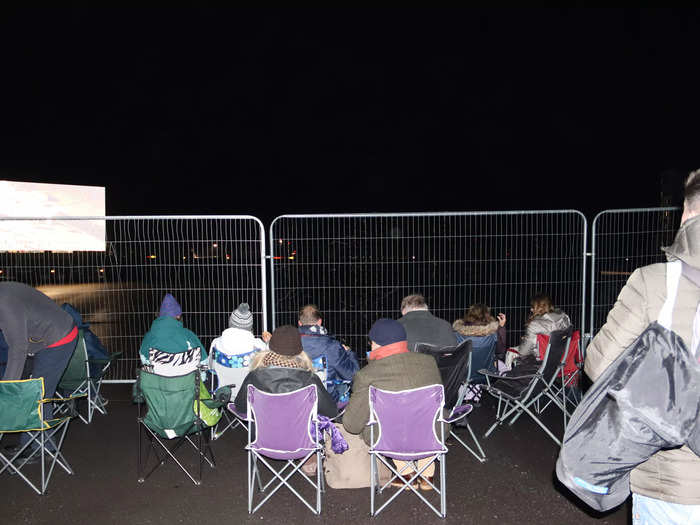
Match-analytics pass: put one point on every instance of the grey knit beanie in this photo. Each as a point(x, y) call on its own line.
point(241, 317)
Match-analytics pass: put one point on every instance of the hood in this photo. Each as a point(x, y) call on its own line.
point(686, 245)
point(475, 330)
point(560, 320)
point(234, 341)
point(75, 314)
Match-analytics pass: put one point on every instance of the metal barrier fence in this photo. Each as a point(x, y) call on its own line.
point(208, 263)
point(357, 268)
point(623, 240)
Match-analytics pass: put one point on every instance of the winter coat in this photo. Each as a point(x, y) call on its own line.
point(423, 327)
point(168, 335)
point(30, 321)
point(280, 380)
point(396, 372)
point(484, 338)
point(669, 475)
point(236, 341)
point(342, 364)
point(541, 324)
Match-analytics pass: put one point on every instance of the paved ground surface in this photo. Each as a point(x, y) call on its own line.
point(516, 484)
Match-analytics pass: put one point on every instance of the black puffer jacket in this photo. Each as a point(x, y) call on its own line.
point(279, 380)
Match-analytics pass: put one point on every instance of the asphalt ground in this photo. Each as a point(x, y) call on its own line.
point(515, 485)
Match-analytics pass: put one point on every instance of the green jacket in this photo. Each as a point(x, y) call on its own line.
point(167, 334)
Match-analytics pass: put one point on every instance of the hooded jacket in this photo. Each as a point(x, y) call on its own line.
point(168, 335)
point(542, 324)
point(669, 475)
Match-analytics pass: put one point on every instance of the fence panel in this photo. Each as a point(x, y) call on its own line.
point(357, 268)
point(208, 263)
point(623, 240)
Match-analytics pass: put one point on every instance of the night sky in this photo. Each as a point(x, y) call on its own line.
point(267, 112)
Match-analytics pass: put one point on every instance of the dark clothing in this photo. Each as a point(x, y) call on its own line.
point(280, 380)
point(342, 364)
point(30, 322)
point(423, 327)
point(93, 345)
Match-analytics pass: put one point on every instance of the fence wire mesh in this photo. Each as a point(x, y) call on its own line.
point(209, 264)
point(357, 268)
point(623, 240)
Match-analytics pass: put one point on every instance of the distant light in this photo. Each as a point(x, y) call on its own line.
point(151, 256)
point(101, 270)
point(184, 257)
point(53, 270)
point(228, 257)
point(291, 257)
point(215, 245)
point(281, 241)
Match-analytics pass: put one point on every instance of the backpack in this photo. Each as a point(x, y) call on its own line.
point(621, 422)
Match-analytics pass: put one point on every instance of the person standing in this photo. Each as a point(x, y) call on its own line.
point(41, 338)
point(666, 487)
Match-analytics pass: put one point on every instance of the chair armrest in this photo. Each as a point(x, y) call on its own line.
point(232, 408)
point(458, 412)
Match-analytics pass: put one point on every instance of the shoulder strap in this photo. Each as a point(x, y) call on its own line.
point(673, 276)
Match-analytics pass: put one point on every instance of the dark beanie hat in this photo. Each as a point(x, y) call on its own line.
point(170, 307)
point(387, 331)
point(286, 340)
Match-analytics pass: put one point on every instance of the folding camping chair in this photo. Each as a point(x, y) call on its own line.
point(21, 411)
point(174, 416)
point(404, 425)
point(517, 394)
point(229, 370)
point(283, 427)
point(567, 386)
point(83, 378)
point(455, 365)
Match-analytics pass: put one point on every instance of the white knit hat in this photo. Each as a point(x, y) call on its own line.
point(241, 317)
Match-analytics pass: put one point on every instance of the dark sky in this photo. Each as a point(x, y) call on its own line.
point(268, 112)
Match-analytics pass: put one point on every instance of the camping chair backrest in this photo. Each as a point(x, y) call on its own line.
point(454, 363)
point(230, 369)
point(573, 352)
point(283, 422)
point(20, 405)
point(556, 354)
point(406, 421)
point(77, 371)
point(170, 365)
point(483, 357)
point(170, 402)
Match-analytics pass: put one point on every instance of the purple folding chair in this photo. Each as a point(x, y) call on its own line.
point(283, 427)
point(405, 427)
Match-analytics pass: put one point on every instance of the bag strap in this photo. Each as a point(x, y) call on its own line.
point(673, 277)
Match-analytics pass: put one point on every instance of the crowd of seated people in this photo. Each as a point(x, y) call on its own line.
point(282, 361)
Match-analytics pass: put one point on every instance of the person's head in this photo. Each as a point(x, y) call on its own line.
point(170, 307)
point(386, 332)
point(478, 314)
point(241, 318)
point(540, 304)
point(691, 196)
point(310, 315)
point(413, 302)
point(286, 344)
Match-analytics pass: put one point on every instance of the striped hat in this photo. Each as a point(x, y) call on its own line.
point(241, 317)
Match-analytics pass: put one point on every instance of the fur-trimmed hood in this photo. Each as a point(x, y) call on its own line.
point(475, 330)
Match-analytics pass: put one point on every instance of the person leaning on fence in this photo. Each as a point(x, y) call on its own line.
point(481, 327)
point(40, 336)
point(422, 326)
point(167, 337)
point(666, 487)
point(238, 339)
point(283, 368)
point(340, 359)
point(391, 366)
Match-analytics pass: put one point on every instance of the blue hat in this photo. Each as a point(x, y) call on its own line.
point(170, 306)
point(387, 331)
